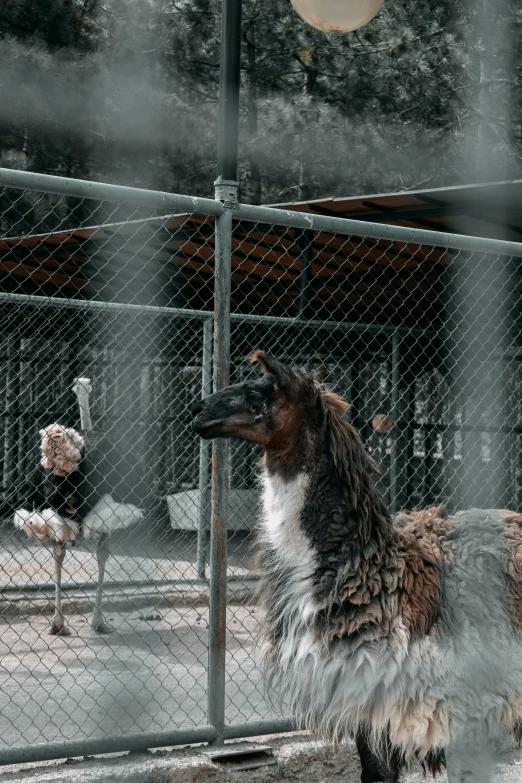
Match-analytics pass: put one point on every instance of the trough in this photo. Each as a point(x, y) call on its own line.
point(184, 509)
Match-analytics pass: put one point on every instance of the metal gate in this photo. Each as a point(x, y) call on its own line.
point(156, 297)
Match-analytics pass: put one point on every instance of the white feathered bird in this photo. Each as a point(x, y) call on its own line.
point(62, 502)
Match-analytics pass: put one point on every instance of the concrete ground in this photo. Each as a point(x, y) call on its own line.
point(298, 759)
point(137, 555)
point(149, 675)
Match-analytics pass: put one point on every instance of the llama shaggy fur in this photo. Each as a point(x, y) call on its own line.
point(406, 632)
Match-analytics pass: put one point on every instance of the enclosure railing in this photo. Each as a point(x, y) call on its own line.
point(390, 316)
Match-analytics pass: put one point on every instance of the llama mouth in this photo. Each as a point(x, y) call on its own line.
point(207, 429)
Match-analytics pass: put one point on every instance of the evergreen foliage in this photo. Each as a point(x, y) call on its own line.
point(126, 91)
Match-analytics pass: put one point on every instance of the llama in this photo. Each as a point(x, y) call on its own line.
point(62, 503)
point(406, 633)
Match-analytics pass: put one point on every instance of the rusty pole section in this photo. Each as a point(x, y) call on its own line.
point(220, 471)
point(205, 455)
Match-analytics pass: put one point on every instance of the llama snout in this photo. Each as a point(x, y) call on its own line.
point(197, 408)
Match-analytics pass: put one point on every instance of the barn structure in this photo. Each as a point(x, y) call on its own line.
point(123, 297)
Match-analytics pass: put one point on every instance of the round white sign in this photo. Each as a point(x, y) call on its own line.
point(337, 16)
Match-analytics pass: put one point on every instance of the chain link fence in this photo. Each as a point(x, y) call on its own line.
point(149, 295)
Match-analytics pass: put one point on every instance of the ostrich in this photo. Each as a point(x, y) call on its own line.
point(62, 503)
point(407, 633)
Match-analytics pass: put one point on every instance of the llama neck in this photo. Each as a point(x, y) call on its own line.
point(325, 524)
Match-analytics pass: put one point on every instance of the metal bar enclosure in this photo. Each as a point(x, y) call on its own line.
point(220, 483)
point(256, 214)
point(210, 462)
point(205, 455)
point(229, 84)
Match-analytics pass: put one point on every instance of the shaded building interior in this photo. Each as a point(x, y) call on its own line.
point(381, 321)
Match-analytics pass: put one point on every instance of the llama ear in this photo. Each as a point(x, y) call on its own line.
point(283, 375)
point(264, 361)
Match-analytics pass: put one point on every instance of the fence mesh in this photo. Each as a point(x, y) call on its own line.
point(121, 296)
point(422, 340)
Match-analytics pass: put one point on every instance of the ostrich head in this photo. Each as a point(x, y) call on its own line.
point(61, 449)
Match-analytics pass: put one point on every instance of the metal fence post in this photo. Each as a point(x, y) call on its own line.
point(220, 468)
point(304, 242)
point(205, 455)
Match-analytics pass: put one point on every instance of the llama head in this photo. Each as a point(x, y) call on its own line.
point(61, 449)
point(268, 410)
point(287, 412)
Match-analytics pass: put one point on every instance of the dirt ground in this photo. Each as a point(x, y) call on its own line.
point(150, 674)
point(139, 555)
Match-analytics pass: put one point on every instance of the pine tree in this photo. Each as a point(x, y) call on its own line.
point(127, 91)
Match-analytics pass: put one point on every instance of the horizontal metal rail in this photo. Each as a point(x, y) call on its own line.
point(181, 585)
point(156, 199)
point(93, 304)
point(362, 228)
point(343, 326)
point(94, 746)
point(257, 728)
point(178, 312)
point(100, 191)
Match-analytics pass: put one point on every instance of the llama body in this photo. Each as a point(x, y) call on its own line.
point(419, 690)
point(406, 633)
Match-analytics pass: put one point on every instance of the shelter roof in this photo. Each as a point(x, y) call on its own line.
point(345, 278)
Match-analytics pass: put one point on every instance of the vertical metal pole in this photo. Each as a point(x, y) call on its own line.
point(205, 455)
point(229, 83)
point(305, 245)
point(226, 191)
point(220, 472)
point(395, 433)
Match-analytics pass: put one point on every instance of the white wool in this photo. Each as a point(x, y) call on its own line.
point(290, 548)
point(282, 502)
point(108, 515)
point(41, 523)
